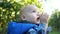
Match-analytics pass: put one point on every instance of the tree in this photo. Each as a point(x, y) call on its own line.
point(55, 20)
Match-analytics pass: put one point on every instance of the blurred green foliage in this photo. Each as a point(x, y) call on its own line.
point(10, 10)
point(55, 20)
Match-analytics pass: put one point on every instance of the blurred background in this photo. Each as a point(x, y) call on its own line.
point(10, 10)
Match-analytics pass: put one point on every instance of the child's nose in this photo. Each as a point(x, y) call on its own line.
point(38, 14)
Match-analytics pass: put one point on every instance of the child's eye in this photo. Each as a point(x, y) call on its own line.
point(34, 11)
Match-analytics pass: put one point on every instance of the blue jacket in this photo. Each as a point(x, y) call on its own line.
point(20, 28)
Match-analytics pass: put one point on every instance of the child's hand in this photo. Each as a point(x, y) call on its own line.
point(44, 18)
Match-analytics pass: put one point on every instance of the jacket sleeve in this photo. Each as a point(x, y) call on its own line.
point(31, 31)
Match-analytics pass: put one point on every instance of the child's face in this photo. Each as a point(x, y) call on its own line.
point(31, 14)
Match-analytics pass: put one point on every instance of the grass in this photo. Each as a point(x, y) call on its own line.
point(55, 32)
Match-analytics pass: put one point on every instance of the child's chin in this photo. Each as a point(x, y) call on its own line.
point(38, 22)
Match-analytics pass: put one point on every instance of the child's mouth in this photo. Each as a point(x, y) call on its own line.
point(38, 19)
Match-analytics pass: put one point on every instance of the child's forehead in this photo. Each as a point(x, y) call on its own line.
point(30, 8)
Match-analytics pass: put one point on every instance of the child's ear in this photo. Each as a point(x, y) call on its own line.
point(23, 17)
